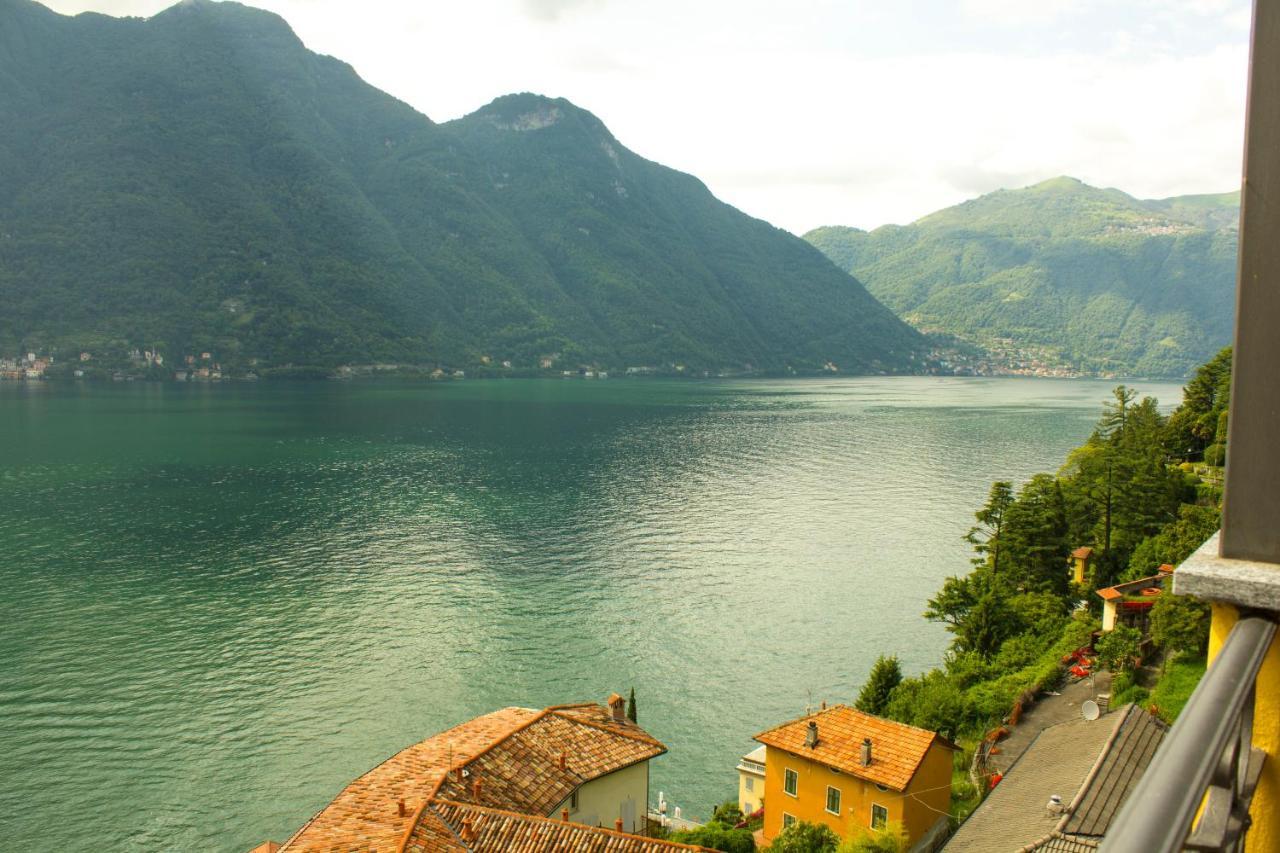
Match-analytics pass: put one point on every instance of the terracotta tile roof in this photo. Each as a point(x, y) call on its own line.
point(1080, 554)
point(522, 771)
point(515, 754)
point(1122, 589)
point(451, 827)
point(366, 814)
point(896, 749)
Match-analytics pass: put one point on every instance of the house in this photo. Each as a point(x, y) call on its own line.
point(1130, 603)
point(84, 356)
point(853, 772)
point(1064, 791)
point(1081, 561)
point(751, 780)
point(569, 777)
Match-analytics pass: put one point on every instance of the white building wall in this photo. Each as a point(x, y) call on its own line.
point(621, 794)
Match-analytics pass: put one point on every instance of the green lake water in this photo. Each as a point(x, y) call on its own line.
point(222, 603)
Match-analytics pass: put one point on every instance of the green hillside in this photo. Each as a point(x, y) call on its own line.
point(199, 181)
point(1107, 282)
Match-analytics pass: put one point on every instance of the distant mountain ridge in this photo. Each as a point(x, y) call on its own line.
point(198, 180)
point(1107, 282)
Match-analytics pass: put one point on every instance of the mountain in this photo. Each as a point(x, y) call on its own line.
point(199, 180)
point(1096, 278)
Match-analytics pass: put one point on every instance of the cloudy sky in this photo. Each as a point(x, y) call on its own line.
point(813, 112)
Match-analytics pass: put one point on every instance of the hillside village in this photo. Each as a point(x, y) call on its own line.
point(577, 777)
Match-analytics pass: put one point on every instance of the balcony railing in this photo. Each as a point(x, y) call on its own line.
point(1207, 765)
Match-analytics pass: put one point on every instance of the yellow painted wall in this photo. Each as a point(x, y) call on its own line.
point(857, 795)
point(1264, 834)
point(1079, 569)
point(601, 801)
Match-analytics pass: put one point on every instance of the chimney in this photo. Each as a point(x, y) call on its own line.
point(617, 824)
point(564, 815)
point(475, 789)
point(459, 773)
point(468, 830)
point(811, 736)
point(618, 706)
point(400, 808)
point(560, 762)
point(824, 704)
point(866, 752)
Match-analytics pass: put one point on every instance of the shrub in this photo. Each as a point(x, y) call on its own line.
point(1118, 649)
point(1174, 688)
point(717, 836)
point(805, 837)
point(891, 839)
point(1216, 455)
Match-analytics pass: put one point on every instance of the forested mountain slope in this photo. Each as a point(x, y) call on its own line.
point(199, 180)
point(1107, 281)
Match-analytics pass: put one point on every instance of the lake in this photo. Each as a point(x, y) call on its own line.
point(222, 603)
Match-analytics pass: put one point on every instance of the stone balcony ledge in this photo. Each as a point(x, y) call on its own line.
point(1244, 583)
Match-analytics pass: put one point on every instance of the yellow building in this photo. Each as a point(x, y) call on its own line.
point(751, 780)
point(854, 772)
point(1080, 560)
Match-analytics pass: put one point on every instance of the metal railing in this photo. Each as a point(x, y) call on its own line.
point(1207, 765)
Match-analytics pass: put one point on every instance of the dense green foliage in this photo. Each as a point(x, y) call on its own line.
point(805, 837)
point(1176, 685)
point(885, 675)
point(1013, 617)
point(891, 839)
point(1107, 281)
point(717, 836)
point(199, 181)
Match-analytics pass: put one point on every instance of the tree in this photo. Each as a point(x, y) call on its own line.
point(728, 813)
point(805, 837)
point(1115, 414)
point(1035, 537)
point(952, 603)
point(886, 674)
point(989, 624)
point(1119, 647)
point(1180, 624)
point(631, 706)
point(985, 536)
point(717, 836)
point(890, 839)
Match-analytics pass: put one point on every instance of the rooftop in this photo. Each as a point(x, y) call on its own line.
point(516, 755)
point(1091, 765)
point(1082, 553)
point(896, 749)
point(449, 827)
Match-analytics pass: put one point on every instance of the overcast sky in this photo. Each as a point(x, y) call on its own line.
point(817, 112)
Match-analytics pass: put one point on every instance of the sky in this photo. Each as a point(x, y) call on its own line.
point(821, 112)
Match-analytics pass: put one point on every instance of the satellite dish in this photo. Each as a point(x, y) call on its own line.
point(1089, 710)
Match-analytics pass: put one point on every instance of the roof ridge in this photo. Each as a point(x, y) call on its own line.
point(848, 707)
point(548, 820)
point(1083, 790)
point(645, 738)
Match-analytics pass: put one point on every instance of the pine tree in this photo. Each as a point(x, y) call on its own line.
point(885, 675)
point(985, 536)
point(631, 706)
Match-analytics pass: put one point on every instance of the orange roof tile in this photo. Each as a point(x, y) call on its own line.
point(498, 831)
point(367, 811)
point(522, 771)
point(515, 755)
point(1082, 553)
point(896, 749)
point(1108, 594)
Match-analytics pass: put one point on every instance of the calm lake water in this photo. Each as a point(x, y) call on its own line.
point(220, 604)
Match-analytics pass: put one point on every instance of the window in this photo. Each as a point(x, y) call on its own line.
point(833, 800)
point(787, 820)
point(879, 816)
point(573, 801)
point(790, 781)
point(749, 783)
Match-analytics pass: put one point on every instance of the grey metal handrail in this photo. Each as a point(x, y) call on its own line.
point(1207, 758)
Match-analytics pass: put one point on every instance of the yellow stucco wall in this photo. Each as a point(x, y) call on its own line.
point(929, 790)
point(602, 801)
point(1264, 834)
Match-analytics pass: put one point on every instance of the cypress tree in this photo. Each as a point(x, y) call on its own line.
point(631, 706)
point(885, 675)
